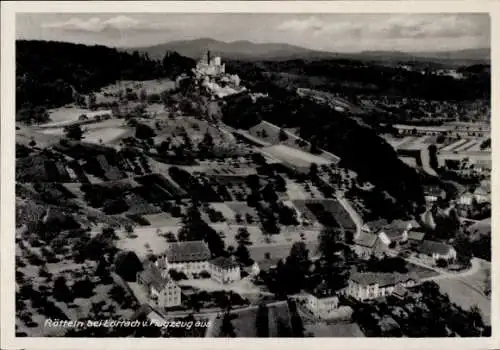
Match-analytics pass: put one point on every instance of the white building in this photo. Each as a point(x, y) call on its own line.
point(224, 270)
point(437, 251)
point(162, 290)
point(322, 305)
point(372, 285)
point(211, 66)
point(187, 257)
point(466, 198)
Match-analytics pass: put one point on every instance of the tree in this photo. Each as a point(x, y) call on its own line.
point(262, 321)
point(83, 288)
point(243, 236)
point(143, 131)
point(283, 136)
point(243, 255)
point(143, 95)
point(127, 265)
point(61, 290)
point(74, 132)
point(238, 218)
point(433, 161)
point(92, 102)
point(313, 171)
point(227, 328)
point(332, 265)
point(297, 265)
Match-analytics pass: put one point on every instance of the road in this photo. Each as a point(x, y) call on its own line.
point(352, 212)
point(443, 274)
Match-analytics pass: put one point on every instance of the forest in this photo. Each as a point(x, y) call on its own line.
point(48, 73)
point(353, 77)
point(359, 147)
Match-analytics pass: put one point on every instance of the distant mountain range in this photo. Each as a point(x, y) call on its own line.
point(247, 50)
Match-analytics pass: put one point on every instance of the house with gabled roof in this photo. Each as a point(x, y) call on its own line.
point(321, 302)
point(188, 257)
point(372, 285)
point(162, 290)
point(224, 270)
point(437, 250)
point(364, 244)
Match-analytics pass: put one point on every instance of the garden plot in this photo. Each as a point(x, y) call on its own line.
point(162, 220)
point(230, 232)
point(224, 209)
point(244, 210)
point(295, 191)
point(146, 240)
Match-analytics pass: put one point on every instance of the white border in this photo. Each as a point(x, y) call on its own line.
point(7, 162)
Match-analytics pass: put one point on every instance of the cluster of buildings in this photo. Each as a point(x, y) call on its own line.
point(453, 129)
point(375, 238)
point(190, 258)
point(211, 73)
point(362, 286)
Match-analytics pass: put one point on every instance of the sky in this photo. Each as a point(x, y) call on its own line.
point(327, 32)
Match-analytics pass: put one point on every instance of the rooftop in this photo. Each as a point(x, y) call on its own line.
point(187, 251)
point(433, 247)
point(381, 278)
point(433, 191)
point(151, 275)
point(416, 235)
point(376, 225)
point(224, 263)
point(366, 239)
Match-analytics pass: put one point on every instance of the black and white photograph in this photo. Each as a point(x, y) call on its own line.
point(252, 175)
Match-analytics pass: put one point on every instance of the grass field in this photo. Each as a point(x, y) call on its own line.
point(63, 115)
point(296, 191)
point(294, 156)
point(147, 240)
point(105, 135)
point(162, 219)
point(469, 291)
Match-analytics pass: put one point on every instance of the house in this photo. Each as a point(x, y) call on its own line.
point(433, 193)
point(162, 290)
point(187, 257)
point(415, 237)
point(482, 194)
point(396, 231)
point(400, 292)
point(374, 226)
point(437, 250)
point(365, 244)
point(372, 285)
point(255, 269)
point(224, 270)
point(466, 198)
point(321, 303)
point(264, 266)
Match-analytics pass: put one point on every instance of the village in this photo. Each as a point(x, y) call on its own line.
point(203, 215)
